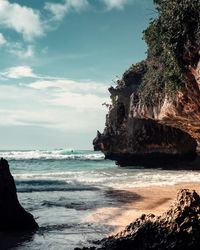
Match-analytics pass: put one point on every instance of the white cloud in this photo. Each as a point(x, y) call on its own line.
point(59, 10)
point(115, 4)
point(64, 109)
point(67, 85)
point(51, 102)
point(77, 101)
point(2, 39)
point(44, 82)
point(18, 72)
point(28, 21)
point(18, 50)
point(22, 19)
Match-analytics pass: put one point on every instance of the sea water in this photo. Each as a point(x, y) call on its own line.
point(61, 188)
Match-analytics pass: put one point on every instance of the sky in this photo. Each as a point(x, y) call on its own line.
point(58, 58)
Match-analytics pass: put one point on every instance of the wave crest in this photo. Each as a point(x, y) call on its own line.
point(29, 186)
point(60, 154)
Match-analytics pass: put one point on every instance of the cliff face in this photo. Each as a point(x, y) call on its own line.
point(155, 110)
point(141, 134)
point(182, 110)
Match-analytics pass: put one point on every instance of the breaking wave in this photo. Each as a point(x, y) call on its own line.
point(59, 154)
point(29, 186)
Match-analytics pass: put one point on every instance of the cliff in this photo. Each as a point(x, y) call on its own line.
point(155, 110)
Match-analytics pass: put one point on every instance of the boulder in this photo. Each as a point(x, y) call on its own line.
point(13, 217)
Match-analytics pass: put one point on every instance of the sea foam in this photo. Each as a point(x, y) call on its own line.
point(60, 154)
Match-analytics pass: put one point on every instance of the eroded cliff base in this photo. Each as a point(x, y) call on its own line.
point(143, 142)
point(157, 160)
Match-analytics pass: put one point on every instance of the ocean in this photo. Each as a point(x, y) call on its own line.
point(62, 188)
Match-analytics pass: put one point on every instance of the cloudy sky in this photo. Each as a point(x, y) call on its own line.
point(58, 58)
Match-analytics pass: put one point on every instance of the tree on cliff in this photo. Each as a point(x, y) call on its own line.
point(173, 40)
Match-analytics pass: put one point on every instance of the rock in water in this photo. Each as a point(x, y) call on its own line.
point(12, 215)
point(178, 228)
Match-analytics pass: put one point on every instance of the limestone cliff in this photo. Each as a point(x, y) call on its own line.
point(155, 110)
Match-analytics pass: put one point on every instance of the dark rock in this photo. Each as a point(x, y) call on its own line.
point(178, 228)
point(143, 142)
point(14, 239)
point(12, 215)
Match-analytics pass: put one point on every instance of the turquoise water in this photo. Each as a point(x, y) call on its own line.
point(61, 188)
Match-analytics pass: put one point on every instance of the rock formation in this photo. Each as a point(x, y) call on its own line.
point(155, 110)
point(12, 215)
point(145, 142)
point(178, 228)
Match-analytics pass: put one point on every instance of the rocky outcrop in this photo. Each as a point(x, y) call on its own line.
point(178, 228)
point(154, 115)
point(12, 215)
point(145, 142)
point(137, 133)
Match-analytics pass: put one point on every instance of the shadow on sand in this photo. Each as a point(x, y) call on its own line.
point(122, 196)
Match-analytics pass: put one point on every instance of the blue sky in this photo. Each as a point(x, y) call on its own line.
point(58, 58)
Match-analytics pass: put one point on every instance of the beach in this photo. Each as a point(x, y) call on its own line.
point(100, 125)
point(137, 201)
point(77, 197)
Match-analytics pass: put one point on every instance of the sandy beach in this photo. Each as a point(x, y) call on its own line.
point(137, 201)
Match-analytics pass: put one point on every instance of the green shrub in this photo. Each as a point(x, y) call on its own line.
point(173, 40)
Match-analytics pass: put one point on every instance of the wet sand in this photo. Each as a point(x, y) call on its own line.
point(137, 201)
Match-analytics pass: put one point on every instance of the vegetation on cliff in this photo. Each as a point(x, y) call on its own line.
point(173, 40)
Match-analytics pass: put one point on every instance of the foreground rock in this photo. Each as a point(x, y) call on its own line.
point(12, 215)
point(178, 228)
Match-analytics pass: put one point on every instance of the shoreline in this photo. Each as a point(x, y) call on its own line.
point(137, 201)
